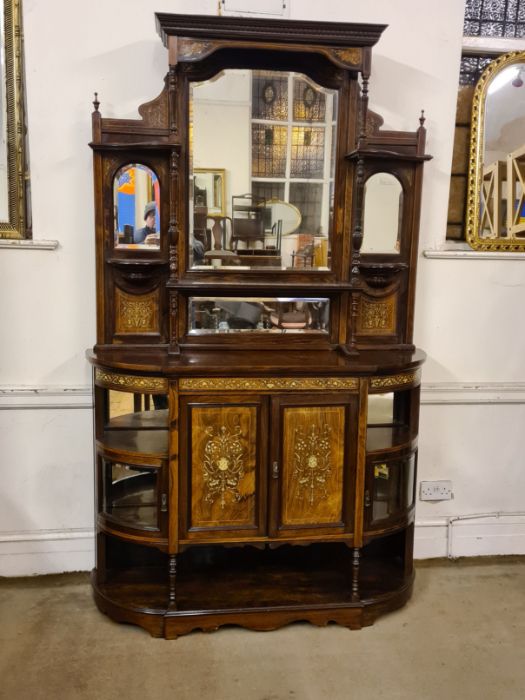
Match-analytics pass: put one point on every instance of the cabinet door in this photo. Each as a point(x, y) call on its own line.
point(313, 465)
point(223, 482)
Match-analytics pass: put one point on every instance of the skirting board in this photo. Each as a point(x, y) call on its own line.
point(46, 552)
point(470, 537)
point(57, 551)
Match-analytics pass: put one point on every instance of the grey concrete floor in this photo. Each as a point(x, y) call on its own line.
point(462, 636)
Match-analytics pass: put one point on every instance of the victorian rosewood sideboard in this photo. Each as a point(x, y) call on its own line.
point(256, 385)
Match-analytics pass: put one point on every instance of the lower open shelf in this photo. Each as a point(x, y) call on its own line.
point(257, 589)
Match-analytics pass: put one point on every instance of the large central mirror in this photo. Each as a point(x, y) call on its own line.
point(264, 144)
point(496, 202)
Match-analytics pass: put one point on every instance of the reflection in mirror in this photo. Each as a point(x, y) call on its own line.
point(503, 155)
point(381, 409)
point(383, 212)
point(496, 196)
point(272, 135)
point(211, 315)
point(208, 190)
point(136, 199)
point(130, 494)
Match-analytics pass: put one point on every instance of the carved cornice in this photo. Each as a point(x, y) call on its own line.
point(269, 383)
point(329, 34)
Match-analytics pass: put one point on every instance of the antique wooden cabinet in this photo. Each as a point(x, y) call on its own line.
point(256, 386)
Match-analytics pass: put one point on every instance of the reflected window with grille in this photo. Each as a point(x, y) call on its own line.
point(293, 144)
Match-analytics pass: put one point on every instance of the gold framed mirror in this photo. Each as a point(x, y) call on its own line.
point(13, 223)
point(496, 186)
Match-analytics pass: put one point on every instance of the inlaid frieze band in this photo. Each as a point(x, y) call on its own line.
point(396, 380)
point(127, 382)
point(269, 383)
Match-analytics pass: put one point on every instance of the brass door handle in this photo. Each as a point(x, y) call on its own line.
point(275, 471)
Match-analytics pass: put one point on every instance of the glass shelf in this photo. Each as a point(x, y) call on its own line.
point(141, 420)
point(386, 437)
point(137, 442)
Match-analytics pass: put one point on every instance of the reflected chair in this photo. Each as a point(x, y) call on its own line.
point(247, 221)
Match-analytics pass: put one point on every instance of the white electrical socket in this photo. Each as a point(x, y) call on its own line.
point(435, 491)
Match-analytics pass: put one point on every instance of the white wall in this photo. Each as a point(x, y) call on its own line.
point(468, 311)
point(221, 130)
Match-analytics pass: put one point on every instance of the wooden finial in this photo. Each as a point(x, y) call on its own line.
point(96, 103)
point(422, 118)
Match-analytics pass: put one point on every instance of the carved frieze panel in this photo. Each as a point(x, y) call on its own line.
point(350, 58)
point(193, 49)
point(155, 113)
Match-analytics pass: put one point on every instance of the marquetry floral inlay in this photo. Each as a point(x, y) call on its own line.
point(312, 462)
point(223, 463)
point(136, 315)
point(377, 315)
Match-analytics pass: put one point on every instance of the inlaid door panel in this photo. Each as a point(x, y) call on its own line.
point(313, 466)
point(224, 478)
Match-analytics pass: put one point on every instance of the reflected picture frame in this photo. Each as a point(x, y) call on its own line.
point(14, 225)
point(217, 188)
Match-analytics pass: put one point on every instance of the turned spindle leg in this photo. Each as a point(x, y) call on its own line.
point(355, 574)
point(172, 580)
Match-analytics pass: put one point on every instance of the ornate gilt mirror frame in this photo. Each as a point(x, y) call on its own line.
point(500, 174)
point(14, 224)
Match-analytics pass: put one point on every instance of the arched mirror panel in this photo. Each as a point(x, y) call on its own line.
point(262, 156)
point(383, 213)
point(496, 197)
point(136, 208)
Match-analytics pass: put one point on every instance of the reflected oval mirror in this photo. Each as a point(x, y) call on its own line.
point(282, 216)
point(272, 134)
point(383, 211)
point(136, 200)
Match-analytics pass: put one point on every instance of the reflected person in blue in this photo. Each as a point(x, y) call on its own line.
point(142, 235)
